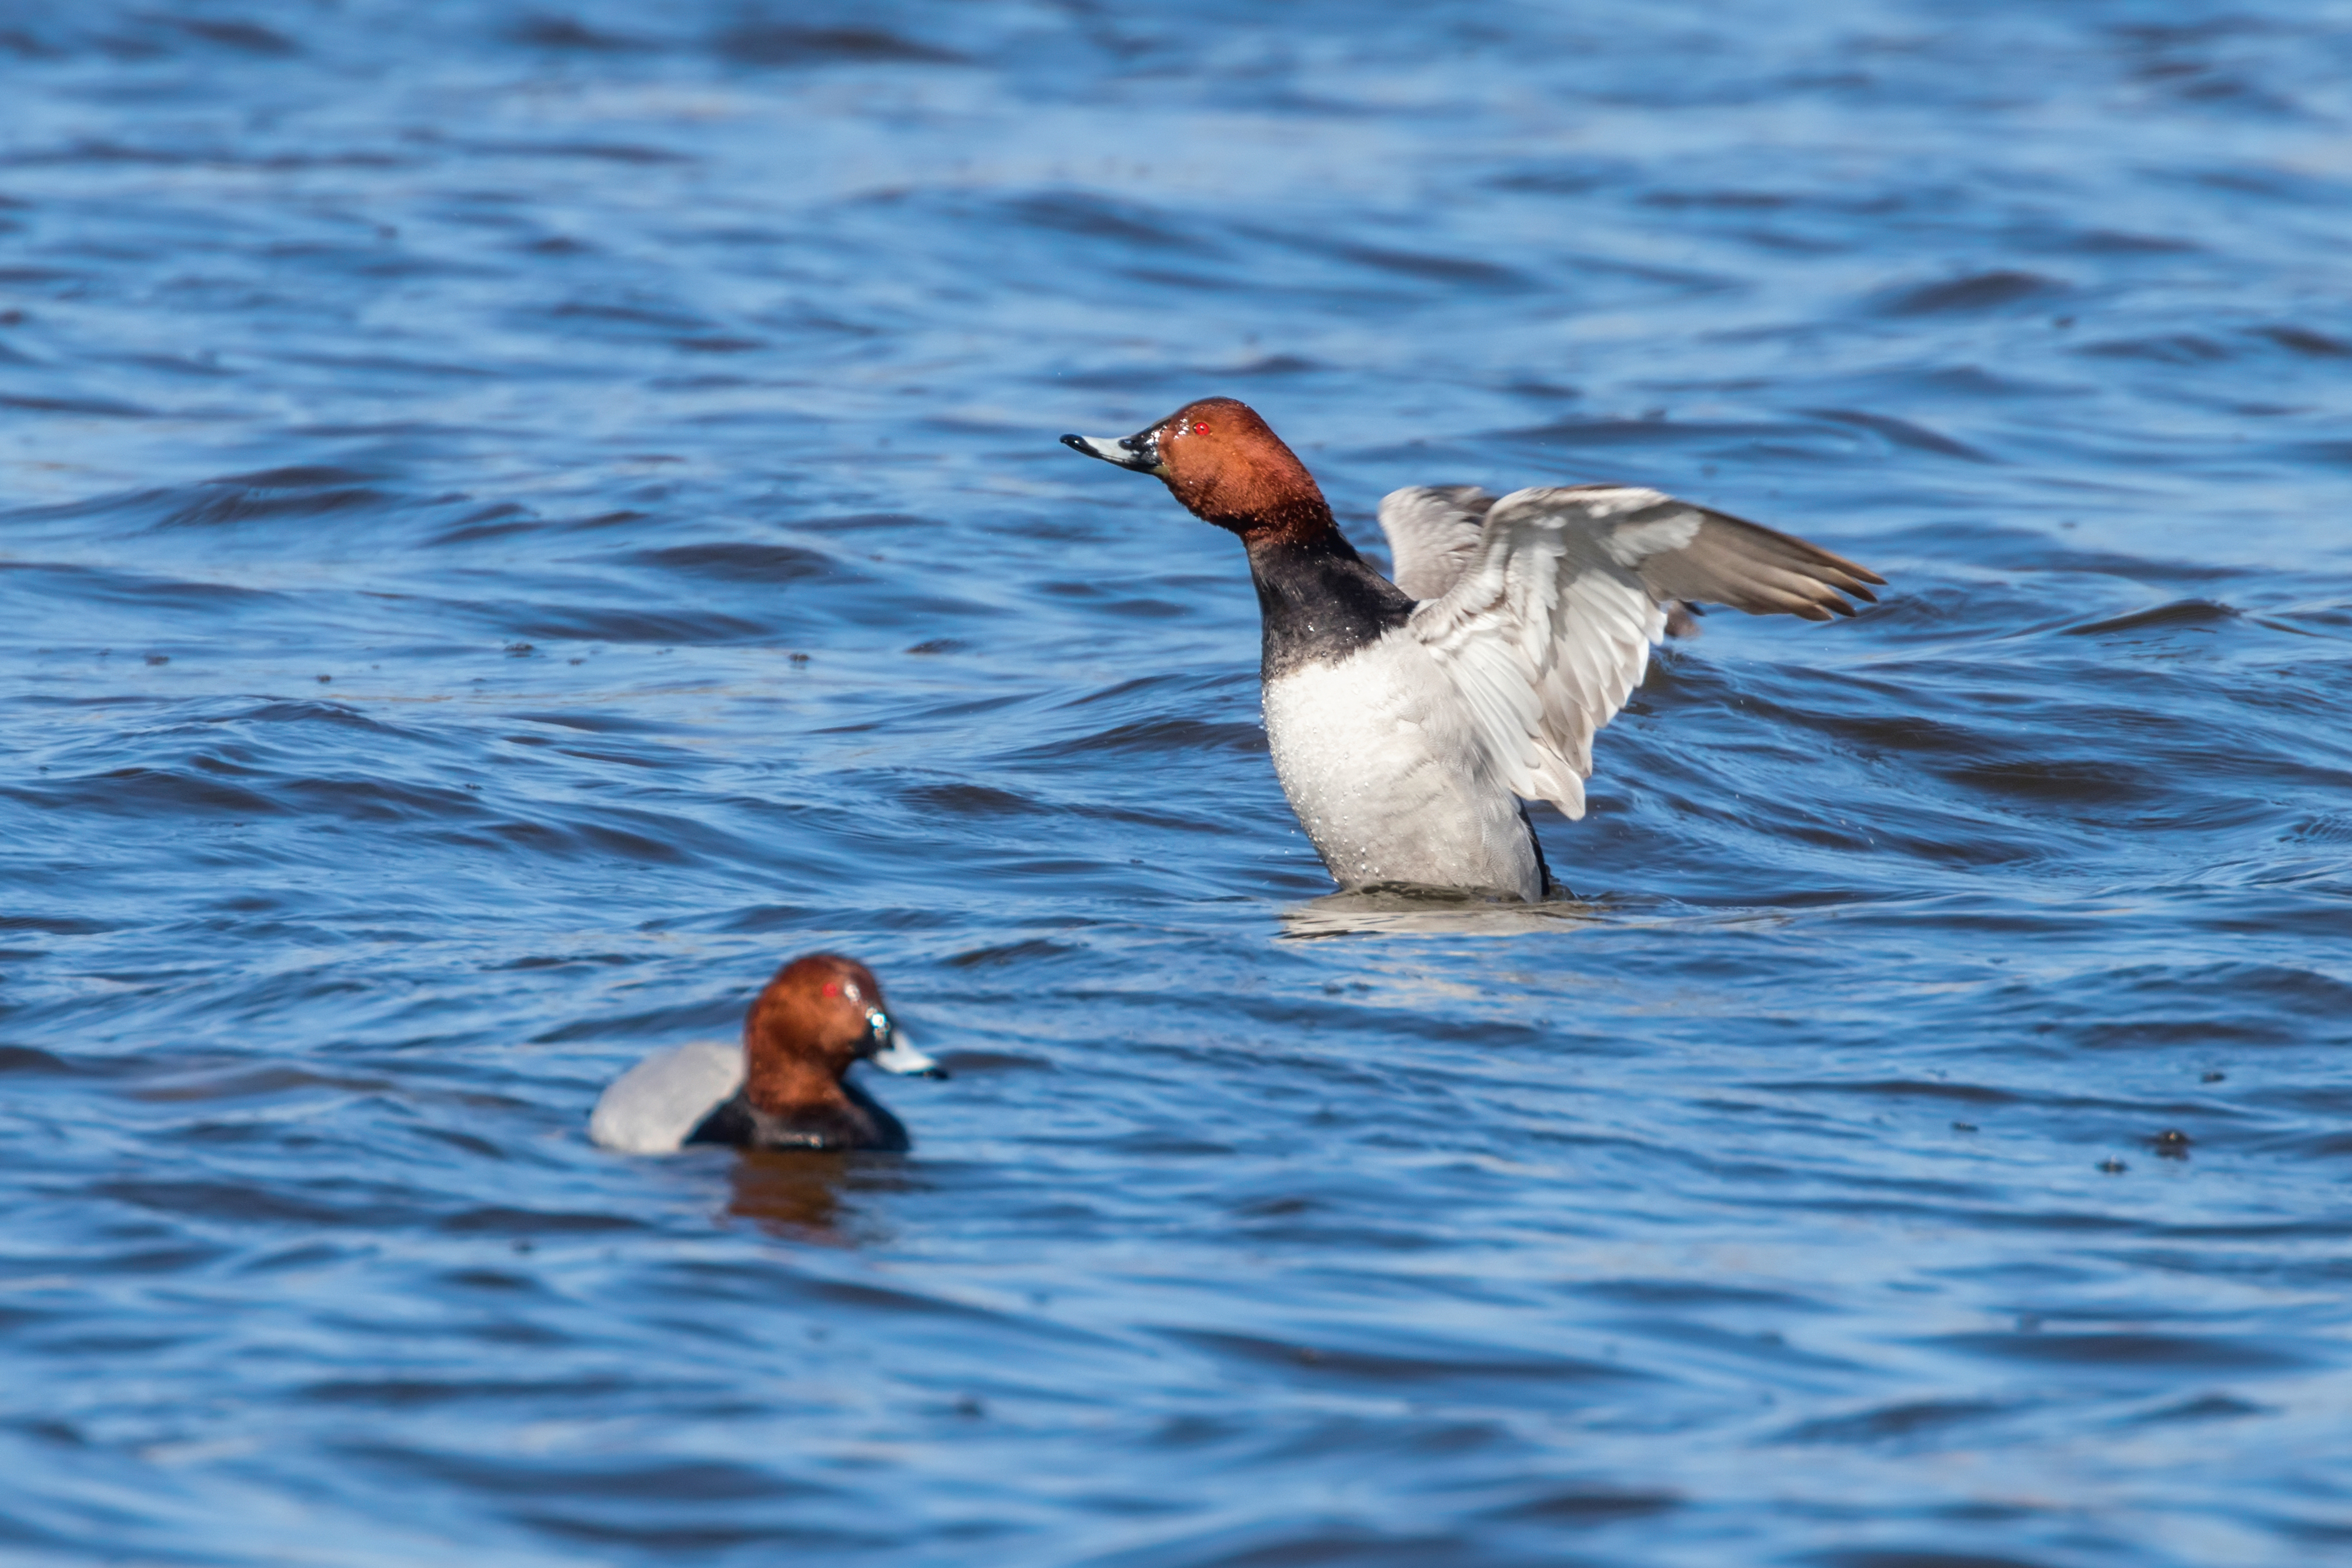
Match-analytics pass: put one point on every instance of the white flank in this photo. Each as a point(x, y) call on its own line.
point(1384, 765)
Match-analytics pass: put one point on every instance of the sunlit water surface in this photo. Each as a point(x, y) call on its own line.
point(519, 517)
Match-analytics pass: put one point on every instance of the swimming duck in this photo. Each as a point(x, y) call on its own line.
point(1409, 719)
point(784, 1087)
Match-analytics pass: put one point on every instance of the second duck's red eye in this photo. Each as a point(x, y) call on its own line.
point(1200, 430)
point(832, 988)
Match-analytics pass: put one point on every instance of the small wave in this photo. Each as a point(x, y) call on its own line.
point(781, 44)
point(739, 560)
point(2187, 614)
point(1978, 291)
point(1160, 735)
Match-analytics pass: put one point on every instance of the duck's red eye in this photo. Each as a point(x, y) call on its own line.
point(832, 988)
point(1200, 430)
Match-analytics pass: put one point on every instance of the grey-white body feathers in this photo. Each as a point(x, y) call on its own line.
point(1406, 756)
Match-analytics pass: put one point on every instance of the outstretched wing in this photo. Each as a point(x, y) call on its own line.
point(1548, 627)
point(1433, 532)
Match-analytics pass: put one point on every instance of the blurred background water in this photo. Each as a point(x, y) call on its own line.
point(514, 519)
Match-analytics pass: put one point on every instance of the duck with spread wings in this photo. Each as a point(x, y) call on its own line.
point(1408, 719)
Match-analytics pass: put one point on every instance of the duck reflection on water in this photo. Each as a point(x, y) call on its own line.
point(790, 1192)
point(1398, 909)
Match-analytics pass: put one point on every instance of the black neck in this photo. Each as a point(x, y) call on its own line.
point(1319, 602)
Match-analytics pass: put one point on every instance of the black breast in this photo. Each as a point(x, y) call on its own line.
point(858, 1122)
point(1320, 602)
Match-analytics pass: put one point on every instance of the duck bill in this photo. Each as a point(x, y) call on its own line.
point(904, 1059)
point(1140, 452)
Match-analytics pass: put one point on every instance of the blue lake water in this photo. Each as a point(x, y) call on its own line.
point(515, 519)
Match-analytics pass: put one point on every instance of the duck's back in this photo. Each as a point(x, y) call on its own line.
point(652, 1107)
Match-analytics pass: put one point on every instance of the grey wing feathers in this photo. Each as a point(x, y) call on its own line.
point(1547, 626)
point(1432, 531)
point(1727, 560)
